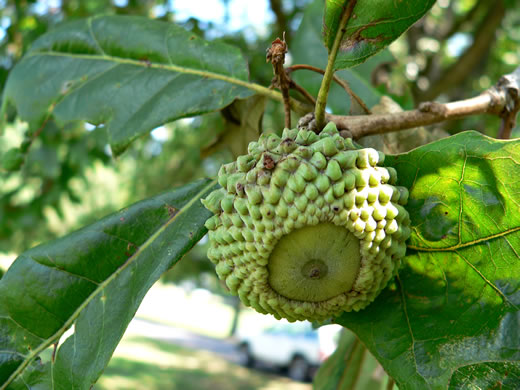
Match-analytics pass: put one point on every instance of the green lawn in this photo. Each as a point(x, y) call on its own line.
point(145, 364)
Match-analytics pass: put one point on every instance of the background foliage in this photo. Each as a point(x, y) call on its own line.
point(55, 166)
point(60, 160)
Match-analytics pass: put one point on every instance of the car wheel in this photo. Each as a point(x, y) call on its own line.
point(244, 356)
point(298, 369)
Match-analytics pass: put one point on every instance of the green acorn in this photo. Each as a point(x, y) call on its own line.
point(307, 226)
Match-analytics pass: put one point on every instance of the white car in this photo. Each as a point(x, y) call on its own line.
point(297, 347)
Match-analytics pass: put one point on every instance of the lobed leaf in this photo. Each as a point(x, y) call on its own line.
point(94, 280)
point(453, 314)
point(129, 72)
point(374, 24)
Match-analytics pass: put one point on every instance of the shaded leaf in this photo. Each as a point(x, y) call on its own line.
point(307, 48)
point(456, 300)
point(372, 27)
point(93, 279)
point(131, 73)
point(493, 375)
point(242, 125)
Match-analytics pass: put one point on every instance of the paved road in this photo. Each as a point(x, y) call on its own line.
point(181, 337)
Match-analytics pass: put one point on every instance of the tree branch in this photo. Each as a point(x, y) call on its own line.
point(485, 34)
point(502, 100)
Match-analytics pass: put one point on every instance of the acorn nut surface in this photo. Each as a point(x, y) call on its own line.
point(306, 226)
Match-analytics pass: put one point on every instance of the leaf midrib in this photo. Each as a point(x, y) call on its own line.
point(169, 67)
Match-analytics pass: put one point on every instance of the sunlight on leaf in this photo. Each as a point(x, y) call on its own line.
point(456, 300)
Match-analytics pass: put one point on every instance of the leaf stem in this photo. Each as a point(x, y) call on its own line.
point(321, 102)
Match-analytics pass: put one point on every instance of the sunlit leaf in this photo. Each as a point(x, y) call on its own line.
point(456, 300)
point(94, 280)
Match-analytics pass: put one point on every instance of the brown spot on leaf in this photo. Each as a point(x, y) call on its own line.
point(171, 210)
point(146, 61)
point(356, 38)
point(131, 248)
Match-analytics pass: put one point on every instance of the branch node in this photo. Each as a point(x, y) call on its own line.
point(508, 88)
point(438, 109)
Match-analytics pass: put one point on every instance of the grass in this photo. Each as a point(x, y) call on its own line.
point(141, 363)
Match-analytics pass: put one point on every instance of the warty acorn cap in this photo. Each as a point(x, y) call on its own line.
point(307, 226)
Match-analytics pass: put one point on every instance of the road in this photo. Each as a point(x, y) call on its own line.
point(181, 337)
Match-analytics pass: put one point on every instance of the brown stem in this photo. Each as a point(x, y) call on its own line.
point(390, 384)
point(426, 114)
point(344, 84)
point(304, 92)
point(502, 100)
point(276, 55)
point(511, 85)
point(508, 124)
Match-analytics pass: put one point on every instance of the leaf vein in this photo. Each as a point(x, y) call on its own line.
point(488, 282)
point(466, 244)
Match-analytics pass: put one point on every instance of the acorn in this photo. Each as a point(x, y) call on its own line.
point(318, 226)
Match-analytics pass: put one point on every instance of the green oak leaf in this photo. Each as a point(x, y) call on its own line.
point(492, 375)
point(307, 48)
point(130, 73)
point(93, 280)
point(456, 300)
point(373, 26)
